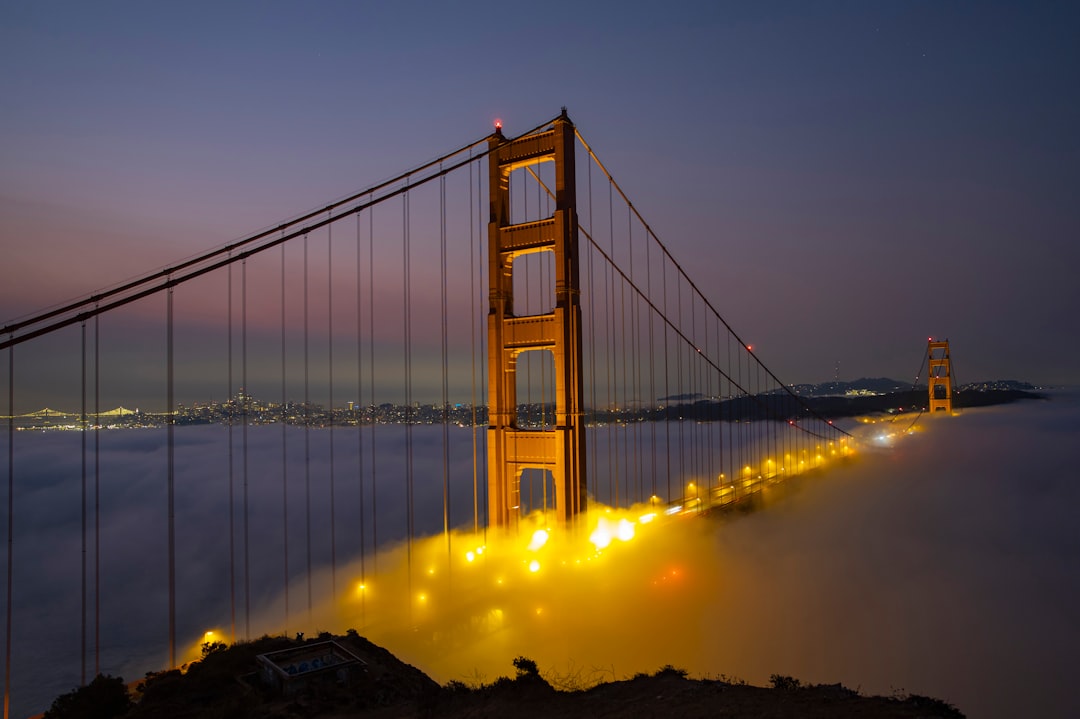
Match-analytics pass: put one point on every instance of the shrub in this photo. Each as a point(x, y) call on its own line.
point(784, 682)
point(669, 671)
point(104, 698)
point(209, 648)
point(526, 667)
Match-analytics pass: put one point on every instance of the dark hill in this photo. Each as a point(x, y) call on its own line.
point(226, 683)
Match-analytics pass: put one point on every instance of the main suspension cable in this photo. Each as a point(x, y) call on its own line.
point(196, 267)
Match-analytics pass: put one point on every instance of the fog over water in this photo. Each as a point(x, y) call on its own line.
point(940, 563)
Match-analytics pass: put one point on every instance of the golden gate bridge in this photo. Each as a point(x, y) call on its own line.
point(494, 341)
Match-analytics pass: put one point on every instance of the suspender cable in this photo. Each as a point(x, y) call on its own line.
point(652, 369)
point(700, 392)
point(698, 455)
point(358, 417)
point(82, 426)
point(407, 292)
point(232, 510)
point(726, 399)
point(445, 370)
point(330, 391)
point(169, 430)
point(10, 529)
point(667, 386)
point(682, 390)
point(705, 444)
point(245, 400)
point(717, 440)
point(623, 428)
point(307, 434)
point(371, 387)
point(612, 400)
point(284, 450)
point(481, 288)
point(635, 336)
point(472, 347)
point(593, 335)
point(97, 497)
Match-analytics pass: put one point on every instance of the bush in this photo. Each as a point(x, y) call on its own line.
point(669, 671)
point(104, 698)
point(526, 667)
point(784, 683)
point(209, 648)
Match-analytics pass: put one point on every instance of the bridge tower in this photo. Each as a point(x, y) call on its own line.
point(940, 376)
point(560, 450)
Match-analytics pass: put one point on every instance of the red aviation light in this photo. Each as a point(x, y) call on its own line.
point(498, 124)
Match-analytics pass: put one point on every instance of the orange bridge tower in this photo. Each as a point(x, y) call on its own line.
point(560, 450)
point(940, 377)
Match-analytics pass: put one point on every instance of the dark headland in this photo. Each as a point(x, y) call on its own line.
point(229, 682)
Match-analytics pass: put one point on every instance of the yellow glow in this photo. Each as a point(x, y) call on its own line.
point(539, 539)
point(601, 537)
point(480, 612)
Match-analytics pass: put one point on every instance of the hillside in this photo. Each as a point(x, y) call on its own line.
point(227, 683)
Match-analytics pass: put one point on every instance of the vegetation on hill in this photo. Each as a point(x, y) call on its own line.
point(225, 684)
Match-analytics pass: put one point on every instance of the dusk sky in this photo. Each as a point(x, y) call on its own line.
point(841, 179)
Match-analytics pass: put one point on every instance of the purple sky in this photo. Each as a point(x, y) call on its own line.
point(842, 179)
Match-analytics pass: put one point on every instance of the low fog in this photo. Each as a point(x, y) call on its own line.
point(941, 562)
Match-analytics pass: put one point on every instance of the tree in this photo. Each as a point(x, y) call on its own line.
point(104, 698)
point(526, 667)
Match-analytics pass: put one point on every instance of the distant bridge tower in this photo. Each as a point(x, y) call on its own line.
point(510, 450)
point(940, 377)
